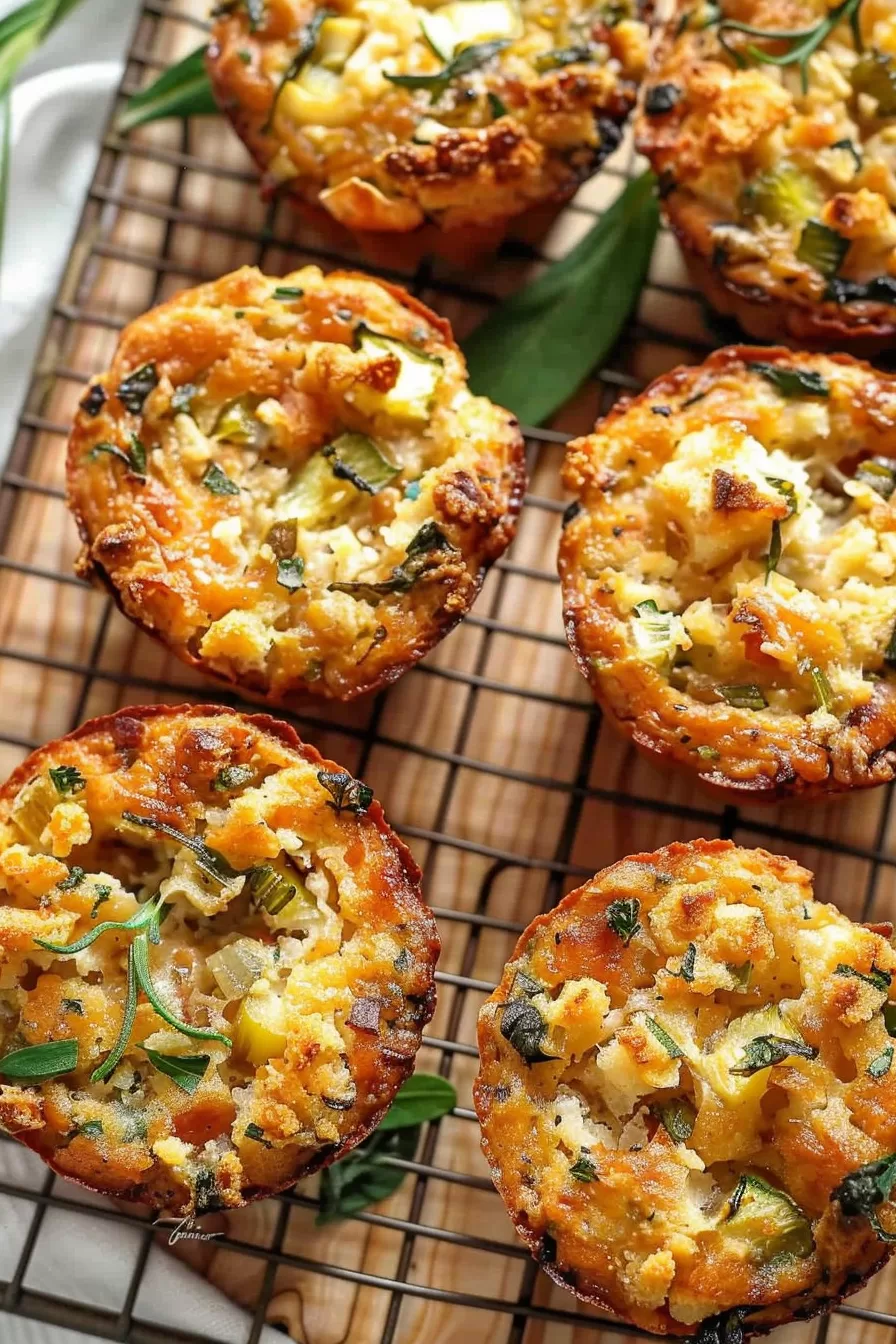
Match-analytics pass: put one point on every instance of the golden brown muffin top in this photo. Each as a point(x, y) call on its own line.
point(681, 1065)
point(730, 580)
point(386, 112)
point(214, 961)
point(779, 170)
point(289, 482)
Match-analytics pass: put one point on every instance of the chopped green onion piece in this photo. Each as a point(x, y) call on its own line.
point(822, 248)
point(67, 779)
point(746, 696)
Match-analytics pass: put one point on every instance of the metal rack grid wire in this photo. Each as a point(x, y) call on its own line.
point(555, 795)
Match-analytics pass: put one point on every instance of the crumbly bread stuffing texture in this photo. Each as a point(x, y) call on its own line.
point(730, 578)
point(259, 1026)
point(656, 1153)
point(288, 481)
point(780, 179)
point(388, 115)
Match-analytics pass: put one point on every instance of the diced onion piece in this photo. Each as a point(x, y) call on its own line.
point(427, 131)
point(237, 424)
point(316, 98)
point(237, 966)
point(33, 806)
point(259, 1032)
point(411, 396)
point(474, 21)
point(338, 38)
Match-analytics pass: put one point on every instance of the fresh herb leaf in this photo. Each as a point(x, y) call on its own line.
point(307, 43)
point(183, 90)
point(877, 978)
point(821, 687)
point(67, 779)
point(890, 650)
point(661, 98)
point(523, 1027)
point(356, 458)
point(253, 1131)
point(583, 1169)
point(218, 482)
point(747, 696)
point(678, 1118)
point(137, 921)
point(286, 293)
point(91, 1129)
point(232, 777)
point(290, 573)
point(787, 489)
point(187, 1071)
point(881, 1063)
point(764, 1051)
point(93, 400)
point(365, 1176)
point(803, 41)
point(468, 59)
point(497, 106)
point(424, 1096)
point(673, 1050)
point(860, 1193)
point(75, 878)
point(134, 459)
point(775, 546)
point(143, 979)
point(72, 1006)
point(133, 390)
point(792, 382)
point(37, 1063)
point(562, 56)
point(821, 248)
point(688, 962)
point(622, 917)
point(102, 895)
point(726, 1328)
point(567, 320)
point(430, 538)
point(348, 794)
point(209, 860)
point(708, 753)
point(880, 289)
point(115, 1055)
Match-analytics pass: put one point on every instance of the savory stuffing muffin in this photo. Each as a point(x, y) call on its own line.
point(442, 121)
point(729, 576)
point(777, 160)
point(215, 965)
point(289, 482)
point(687, 1092)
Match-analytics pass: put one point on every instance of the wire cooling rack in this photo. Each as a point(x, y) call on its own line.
point(490, 758)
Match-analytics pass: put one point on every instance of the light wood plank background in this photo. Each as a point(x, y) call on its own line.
point(489, 757)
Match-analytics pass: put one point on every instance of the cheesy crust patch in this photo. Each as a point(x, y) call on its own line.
point(289, 483)
point(779, 174)
point(729, 579)
point(215, 965)
point(388, 115)
point(682, 1063)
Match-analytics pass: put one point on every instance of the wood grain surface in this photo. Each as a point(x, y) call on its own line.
point(488, 757)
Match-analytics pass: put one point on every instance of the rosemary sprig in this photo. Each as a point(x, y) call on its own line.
point(803, 41)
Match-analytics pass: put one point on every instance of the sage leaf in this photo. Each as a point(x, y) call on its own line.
point(425, 1096)
point(186, 1070)
point(532, 353)
point(765, 1051)
point(37, 1063)
point(184, 90)
point(622, 917)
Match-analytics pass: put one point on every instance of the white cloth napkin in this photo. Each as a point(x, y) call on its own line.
point(81, 1258)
